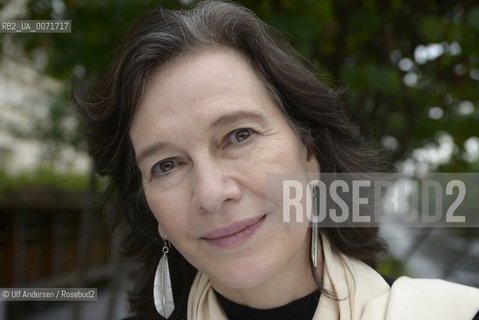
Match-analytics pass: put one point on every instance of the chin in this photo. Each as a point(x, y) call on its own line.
point(243, 276)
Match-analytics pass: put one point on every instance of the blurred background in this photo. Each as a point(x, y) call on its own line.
point(411, 70)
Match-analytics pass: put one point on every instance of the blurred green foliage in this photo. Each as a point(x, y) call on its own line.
point(43, 178)
point(380, 50)
point(392, 267)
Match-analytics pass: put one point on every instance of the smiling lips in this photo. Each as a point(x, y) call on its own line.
point(234, 234)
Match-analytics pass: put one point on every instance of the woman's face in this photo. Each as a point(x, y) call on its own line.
point(206, 135)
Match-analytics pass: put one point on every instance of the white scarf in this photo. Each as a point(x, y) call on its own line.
point(363, 295)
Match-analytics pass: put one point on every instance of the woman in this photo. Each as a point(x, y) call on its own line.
point(198, 109)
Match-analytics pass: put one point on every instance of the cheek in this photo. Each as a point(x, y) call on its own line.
point(283, 158)
point(271, 155)
point(278, 154)
point(169, 211)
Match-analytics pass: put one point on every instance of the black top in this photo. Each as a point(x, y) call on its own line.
point(301, 309)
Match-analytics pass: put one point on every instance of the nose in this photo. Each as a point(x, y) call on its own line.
point(215, 185)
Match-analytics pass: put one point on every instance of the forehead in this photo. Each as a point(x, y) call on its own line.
point(210, 73)
point(196, 88)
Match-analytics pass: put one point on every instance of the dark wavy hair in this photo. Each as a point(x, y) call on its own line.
point(313, 109)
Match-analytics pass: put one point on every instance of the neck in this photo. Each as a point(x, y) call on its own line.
point(292, 282)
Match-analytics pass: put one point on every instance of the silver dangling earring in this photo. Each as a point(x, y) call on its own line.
point(162, 290)
point(314, 227)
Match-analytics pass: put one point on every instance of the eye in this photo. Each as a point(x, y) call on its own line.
point(238, 135)
point(164, 167)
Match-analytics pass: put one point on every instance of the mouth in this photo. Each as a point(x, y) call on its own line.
point(234, 234)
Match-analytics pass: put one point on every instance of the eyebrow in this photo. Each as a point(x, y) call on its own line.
point(237, 116)
point(226, 119)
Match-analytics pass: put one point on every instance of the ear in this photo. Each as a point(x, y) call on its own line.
point(312, 161)
point(162, 232)
point(309, 145)
point(309, 152)
point(313, 165)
